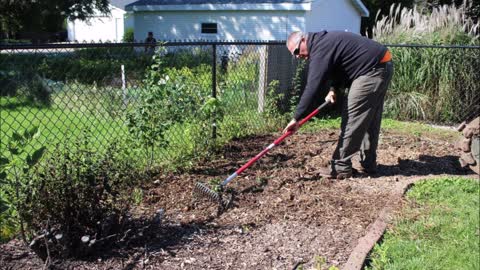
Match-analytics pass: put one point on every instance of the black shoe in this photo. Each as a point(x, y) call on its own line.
point(369, 168)
point(329, 174)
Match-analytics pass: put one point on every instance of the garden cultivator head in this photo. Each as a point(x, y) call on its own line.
point(216, 193)
point(217, 196)
point(214, 196)
point(207, 192)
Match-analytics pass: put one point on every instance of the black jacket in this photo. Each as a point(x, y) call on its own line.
point(338, 56)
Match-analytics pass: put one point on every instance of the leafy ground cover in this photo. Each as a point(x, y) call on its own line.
point(438, 229)
point(284, 214)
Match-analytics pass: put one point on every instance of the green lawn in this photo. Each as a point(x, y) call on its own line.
point(410, 128)
point(439, 228)
point(56, 123)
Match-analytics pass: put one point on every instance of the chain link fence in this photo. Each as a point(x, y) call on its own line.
point(168, 103)
point(174, 102)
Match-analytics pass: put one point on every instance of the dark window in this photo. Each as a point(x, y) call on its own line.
point(209, 28)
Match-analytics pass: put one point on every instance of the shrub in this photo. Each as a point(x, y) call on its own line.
point(8, 83)
point(187, 142)
point(79, 198)
point(15, 41)
point(242, 75)
point(128, 36)
point(171, 96)
point(15, 193)
point(95, 65)
point(36, 91)
point(273, 105)
point(174, 116)
point(190, 57)
point(298, 83)
point(18, 77)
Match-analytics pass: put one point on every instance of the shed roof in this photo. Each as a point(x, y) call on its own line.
point(214, 2)
point(121, 3)
point(293, 4)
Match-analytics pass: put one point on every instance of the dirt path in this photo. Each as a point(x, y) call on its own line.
point(284, 214)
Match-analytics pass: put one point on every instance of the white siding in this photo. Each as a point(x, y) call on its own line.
point(98, 28)
point(333, 15)
point(231, 25)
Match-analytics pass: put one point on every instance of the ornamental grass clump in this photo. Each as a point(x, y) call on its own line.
point(433, 84)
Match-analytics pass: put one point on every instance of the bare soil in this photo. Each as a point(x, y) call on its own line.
point(284, 214)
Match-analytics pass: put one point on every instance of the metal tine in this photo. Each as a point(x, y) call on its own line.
point(202, 189)
point(217, 197)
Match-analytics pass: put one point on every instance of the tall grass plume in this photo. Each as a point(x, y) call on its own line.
point(432, 84)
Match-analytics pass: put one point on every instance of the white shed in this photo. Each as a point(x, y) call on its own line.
point(242, 19)
point(102, 27)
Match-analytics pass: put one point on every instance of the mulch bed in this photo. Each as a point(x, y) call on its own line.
point(284, 215)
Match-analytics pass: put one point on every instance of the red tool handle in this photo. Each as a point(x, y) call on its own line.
point(279, 140)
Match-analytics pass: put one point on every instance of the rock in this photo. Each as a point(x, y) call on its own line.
point(472, 128)
point(467, 133)
point(85, 239)
point(461, 126)
point(475, 125)
point(476, 168)
point(458, 144)
point(159, 215)
point(467, 159)
point(465, 144)
point(463, 163)
point(33, 243)
point(469, 144)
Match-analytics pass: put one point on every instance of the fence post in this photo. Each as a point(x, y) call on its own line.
point(214, 86)
point(262, 78)
point(124, 88)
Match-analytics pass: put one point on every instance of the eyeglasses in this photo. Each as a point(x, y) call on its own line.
point(297, 50)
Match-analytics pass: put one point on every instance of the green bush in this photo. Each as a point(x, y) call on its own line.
point(77, 193)
point(8, 83)
point(171, 96)
point(15, 41)
point(128, 36)
point(190, 57)
point(95, 65)
point(188, 142)
point(173, 119)
point(19, 77)
point(15, 180)
point(87, 66)
point(242, 75)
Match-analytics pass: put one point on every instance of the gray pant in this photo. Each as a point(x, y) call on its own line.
point(361, 118)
